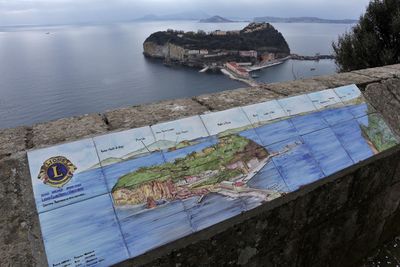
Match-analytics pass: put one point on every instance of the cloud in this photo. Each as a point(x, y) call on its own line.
point(75, 11)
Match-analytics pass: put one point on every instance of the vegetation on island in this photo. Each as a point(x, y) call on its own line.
point(374, 41)
point(210, 164)
point(255, 36)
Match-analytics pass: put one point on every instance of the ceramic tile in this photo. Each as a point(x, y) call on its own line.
point(265, 112)
point(83, 234)
point(65, 174)
point(361, 110)
point(352, 139)
point(211, 209)
point(124, 152)
point(179, 133)
point(269, 185)
point(297, 105)
point(325, 99)
point(276, 132)
point(179, 138)
point(327, 150)
point(336, 115)
point(309, 123)
point(148, 228)
point(378, 133)
point(120, 146)
point(295, 163)
point(226, 122)
point(352, 97)
point(349, 93)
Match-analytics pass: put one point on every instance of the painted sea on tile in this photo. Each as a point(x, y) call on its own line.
point(172, 179)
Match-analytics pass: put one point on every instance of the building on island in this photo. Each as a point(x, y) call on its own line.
point(237, 70)
point(250, 53)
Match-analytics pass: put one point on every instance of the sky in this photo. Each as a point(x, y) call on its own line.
point(39, 12)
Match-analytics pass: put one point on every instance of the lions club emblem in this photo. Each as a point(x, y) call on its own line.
point(57, 171)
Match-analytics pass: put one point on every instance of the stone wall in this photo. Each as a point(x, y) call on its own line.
point(335, 221)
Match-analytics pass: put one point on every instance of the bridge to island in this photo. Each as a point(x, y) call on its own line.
point(333, 221)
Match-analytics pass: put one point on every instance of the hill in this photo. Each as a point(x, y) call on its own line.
point(216, 19)
point(217, 46)
point(303, 20)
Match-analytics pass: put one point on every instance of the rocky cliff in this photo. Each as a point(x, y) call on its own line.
point(182, 46)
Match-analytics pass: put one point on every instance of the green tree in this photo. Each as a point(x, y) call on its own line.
point(374, 41)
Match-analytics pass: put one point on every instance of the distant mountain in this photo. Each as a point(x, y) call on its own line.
point(304, 20)
point(216, 19)
point(192, 15)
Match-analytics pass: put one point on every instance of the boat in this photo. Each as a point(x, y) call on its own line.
point(254, 75)
point(312, 69)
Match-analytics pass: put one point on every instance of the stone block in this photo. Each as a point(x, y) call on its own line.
point(379, 72)
point(69, 129)
point(345, 78)
point(384, 101)
point(395, 66)
point(20, 238)
point(12, 140)
point(393, 85)
point(138, 116)
point(297, 87)
point(235, 98)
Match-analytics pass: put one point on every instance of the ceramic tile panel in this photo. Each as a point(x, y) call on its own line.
point(295, 163)
point(296, 105)
point(327, 150)
point(262, 113)
point(83, 234)
point(378, 133)
point(123, 194)
point(121, 153)
point(325, 99)
point(65, 174)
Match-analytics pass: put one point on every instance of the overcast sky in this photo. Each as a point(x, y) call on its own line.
point(17, 12)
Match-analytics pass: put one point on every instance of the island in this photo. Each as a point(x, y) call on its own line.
point(236, 53)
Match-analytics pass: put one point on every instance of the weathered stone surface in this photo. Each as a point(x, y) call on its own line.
point(379, 72)
point(297, 87)
point(394, 87)
point(12, 141)
point(235, 98)
point(69, 129)
point(341, 79)
point(385, 102)
point(138, 116)
point(20, 238)
point(395, 66)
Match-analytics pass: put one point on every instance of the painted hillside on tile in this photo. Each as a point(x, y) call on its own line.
point(172, 179)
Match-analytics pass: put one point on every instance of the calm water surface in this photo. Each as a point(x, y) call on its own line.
point(75, 70)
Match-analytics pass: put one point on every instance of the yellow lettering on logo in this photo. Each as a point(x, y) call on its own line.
point(55, 172)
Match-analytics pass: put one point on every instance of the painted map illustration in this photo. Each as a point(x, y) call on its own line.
point(136, 190)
